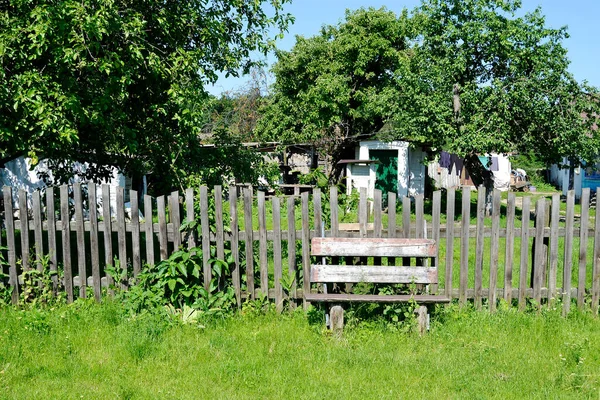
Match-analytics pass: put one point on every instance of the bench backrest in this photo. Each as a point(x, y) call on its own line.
point(373, 247)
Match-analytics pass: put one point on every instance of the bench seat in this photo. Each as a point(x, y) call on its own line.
point(374, 298)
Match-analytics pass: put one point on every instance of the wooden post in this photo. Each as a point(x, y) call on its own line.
point(162, 227)
point(190, 217)
point(450, 199)
point(10, 242)
point(539, 264)
point(121, 235)
point(107, 232)
point(235, 239)
point(52, 247)
point(510, 247)
point(337, 320)
point(79, 226)
point(149, 229)
point(596, 264)
point(291, 242)
point(305, 248)
point(391, 221)
point(207, 272)
point(65, 220)
point(175, 218)
point(479, 246)
point(249, 241)
point(219, 231)
point(136, 258)
point(94, 244)
point(262, 243)
point(464, 244)
point(24, 225)
point(568, 256)
point(494, 249)
point(277, 265)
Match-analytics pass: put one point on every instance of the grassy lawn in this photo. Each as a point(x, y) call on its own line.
point(94, 352)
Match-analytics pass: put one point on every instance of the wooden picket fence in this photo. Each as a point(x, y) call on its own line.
point(519, 254)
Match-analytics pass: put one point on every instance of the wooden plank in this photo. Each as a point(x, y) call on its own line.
point(162, 227)
point(509, 255)
point(450, 199)
point(24, 226)
point(306, 247)
point(373, 247)
point(539, 264)
point(235, 250)
point(277, 266)
point(372, 274)
point(149, 229)
point(526, 211)
point(479, 246)
point(262, 243)
point(94, 243)
point(377, 214)
point(204, 221)
point(583, 241)
point(318, 218)
point(553, 264)
point(464, 244)
point(66, 241)
point(10, 242)
point(121, 235)
point(420, 216)
point(51, 226)
point(366, 298)
point(377, 220)
point(107, 232)
point(175, 218)
point(219, 232)
point(406, 217)
point(568, 256)
point(406, 224)
point(249, 241)
point(435, 230)
point(136, 258)
point(190, 217)
point(596, 263)
point(37, 228)
point(362, 212)
point(78, 200)
point(291, 242)
point(391, 221)
point(333, 206)
point(494, 249)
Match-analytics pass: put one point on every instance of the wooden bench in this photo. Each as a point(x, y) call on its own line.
point(374, 247)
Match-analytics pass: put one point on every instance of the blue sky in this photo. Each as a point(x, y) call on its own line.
point(581, 17)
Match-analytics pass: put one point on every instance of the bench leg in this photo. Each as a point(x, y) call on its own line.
point(337, 319)
point(422, 319)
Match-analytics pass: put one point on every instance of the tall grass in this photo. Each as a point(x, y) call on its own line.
point(97, 352)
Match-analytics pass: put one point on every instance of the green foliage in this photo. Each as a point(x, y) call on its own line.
point(483, 79)
point(337, 85)
point(121, 83)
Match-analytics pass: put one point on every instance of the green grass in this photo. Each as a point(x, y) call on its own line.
point(94, 352)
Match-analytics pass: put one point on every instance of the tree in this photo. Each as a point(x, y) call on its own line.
point(483, 79)
point(120, 83)
point(338, 86)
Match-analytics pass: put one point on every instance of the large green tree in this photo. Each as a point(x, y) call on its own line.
point(485, 77)
point(121, 83)
point(338, 86)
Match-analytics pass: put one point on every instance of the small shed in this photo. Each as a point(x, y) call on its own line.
point(388, 166)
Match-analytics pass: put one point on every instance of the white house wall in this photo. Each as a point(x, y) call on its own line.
point(411, 175)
